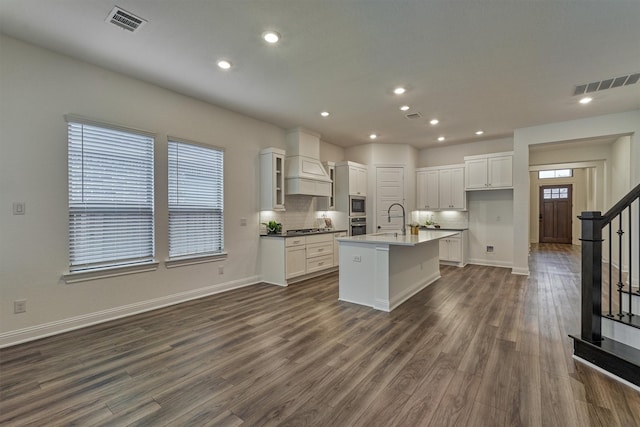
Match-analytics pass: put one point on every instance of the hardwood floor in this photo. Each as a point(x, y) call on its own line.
point(480, 347)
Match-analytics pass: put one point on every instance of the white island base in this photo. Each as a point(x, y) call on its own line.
point(384, 270)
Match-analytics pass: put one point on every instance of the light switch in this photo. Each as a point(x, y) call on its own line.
point(19, 208)
point(243, 222)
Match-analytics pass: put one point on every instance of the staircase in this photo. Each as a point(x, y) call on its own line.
point(610, 315)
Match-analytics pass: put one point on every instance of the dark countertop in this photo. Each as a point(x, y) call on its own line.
point(301, 234)
point(422, 227)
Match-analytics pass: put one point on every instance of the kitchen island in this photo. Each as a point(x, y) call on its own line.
point(384, 270)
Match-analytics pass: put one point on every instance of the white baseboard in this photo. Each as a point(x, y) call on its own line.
point(607, 373)
point(490, 263)
point(65, 325)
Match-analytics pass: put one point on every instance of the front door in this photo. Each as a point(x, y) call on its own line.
point(555, 213)
point(389, 190)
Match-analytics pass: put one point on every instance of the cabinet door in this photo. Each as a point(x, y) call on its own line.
point(500, 171)
point(458, 196)
point(455, 249)
point(427, 190)
point(354, 190)
point(296, 261)
point(445, 200)
point(444, 249)
point(476, 174)
point(362, 181)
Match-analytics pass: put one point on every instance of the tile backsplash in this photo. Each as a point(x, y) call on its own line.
point(446, 219)
point(301, 213)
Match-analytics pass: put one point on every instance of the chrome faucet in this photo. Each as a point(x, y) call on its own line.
point(404, 224)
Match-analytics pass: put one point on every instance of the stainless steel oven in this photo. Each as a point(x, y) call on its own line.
point(357, 226)
point(357, 206)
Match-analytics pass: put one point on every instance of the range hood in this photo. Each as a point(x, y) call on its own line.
point(304, 174)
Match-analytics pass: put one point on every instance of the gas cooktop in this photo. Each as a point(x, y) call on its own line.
point(304, 231)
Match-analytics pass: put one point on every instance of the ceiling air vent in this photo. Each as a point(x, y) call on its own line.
point(125, 20)
point(414, 116)
point(610, 83)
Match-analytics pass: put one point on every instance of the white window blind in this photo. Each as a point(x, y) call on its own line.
point(110, 197)
point(196, 206)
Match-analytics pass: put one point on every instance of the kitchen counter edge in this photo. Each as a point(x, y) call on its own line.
point(281, 235)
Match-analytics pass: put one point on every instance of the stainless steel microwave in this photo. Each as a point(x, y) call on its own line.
point(357, 206)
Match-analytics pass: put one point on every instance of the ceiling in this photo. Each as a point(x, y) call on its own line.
point(473, 64)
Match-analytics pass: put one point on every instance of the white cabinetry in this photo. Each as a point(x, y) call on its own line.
point(351, 180)
point(285, 260)
point(427, 187)
point(328, 203)
point(489, 172)
point(272, 179)
point(441, 188)
point(319, 252)
point(296, 259)
point(453, 249)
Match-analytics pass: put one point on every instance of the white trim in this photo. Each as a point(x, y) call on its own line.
point(607, 373)
point(490, 263)
point(194, 259)
point(573, 165)
point(74, 118)
point(103, 273)
point(65, 325)
point(520, 271)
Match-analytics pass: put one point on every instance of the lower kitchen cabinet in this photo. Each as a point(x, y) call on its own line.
point(453, 250)
point(286, 260)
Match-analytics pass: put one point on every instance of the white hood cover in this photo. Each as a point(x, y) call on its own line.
point(304, 174)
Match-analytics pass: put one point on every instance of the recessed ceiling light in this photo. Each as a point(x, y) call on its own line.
point(373, 136)
point(480, 132)
point(404, 107)
point(434, 121)
point(585, 100)
point(224, 64)
point(441, 138)
point(271, 37)
point(325, 114)
point(399, 90)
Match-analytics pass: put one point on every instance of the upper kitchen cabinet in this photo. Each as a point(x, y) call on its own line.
point(489, 171)
point(354, 175)
point(329, 203)
point(427, 186)
point(441, 188)
point(272, 179)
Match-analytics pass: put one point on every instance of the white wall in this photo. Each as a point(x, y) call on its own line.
point(491, 224)
point(36, 89)
point(454, 154)
point(594, 127)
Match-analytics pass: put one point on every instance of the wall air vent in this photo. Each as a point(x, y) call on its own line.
point(610, 83)
point(414, 116)
point(125, 20)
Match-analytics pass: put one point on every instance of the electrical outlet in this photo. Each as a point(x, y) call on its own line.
point(243, 222)
point(221, 269)
point(20, 306)
point(19, 208)
point(357, 258)
point(489, 249)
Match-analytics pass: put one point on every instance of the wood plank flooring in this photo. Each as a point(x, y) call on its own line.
point(480, 347)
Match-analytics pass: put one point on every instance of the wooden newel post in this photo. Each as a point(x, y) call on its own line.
point(591, 276)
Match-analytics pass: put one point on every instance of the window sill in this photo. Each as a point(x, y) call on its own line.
point(195, 259)
point(101, 273)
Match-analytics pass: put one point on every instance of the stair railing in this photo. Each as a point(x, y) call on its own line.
point(593, 222)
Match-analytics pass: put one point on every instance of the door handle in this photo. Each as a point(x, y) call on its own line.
point(379, 227)
point(540, 217)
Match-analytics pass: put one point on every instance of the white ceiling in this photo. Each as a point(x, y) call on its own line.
point(473, 64)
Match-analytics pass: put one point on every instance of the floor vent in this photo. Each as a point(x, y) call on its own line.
point(414, 116)
point(125, 20)
point(610, 83)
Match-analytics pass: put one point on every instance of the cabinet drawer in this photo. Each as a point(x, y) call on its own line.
point(320, 238)
point(317, 249)
point(319, 263)
point(295, 241)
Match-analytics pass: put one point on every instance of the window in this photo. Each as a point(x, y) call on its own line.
point(558, 173)
point(110, 197)
point(196, 216)
point(555, 193)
